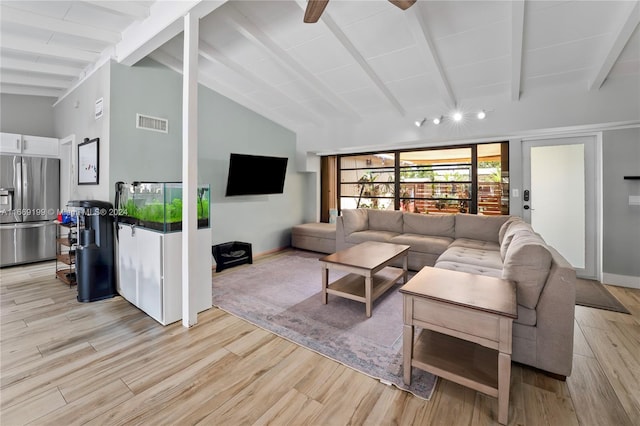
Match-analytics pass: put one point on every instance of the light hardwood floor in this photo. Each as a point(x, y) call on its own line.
point(106, 362)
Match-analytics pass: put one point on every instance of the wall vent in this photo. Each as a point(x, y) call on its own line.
point(152, 123)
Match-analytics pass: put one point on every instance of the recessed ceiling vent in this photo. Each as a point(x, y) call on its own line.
point(152, 123)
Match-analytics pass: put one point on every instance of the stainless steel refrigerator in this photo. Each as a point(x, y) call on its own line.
point(29, 203)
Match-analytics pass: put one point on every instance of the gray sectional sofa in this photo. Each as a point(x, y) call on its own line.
point(499, 246)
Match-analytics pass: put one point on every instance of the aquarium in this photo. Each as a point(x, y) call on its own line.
point(158, 205)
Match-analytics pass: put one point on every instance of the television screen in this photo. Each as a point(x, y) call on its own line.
point(256, 175)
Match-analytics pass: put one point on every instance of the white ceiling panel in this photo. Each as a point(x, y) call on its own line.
point(321, 54)
point(562, 58)
point(367, 101)
point(486, 73)
point(400, 64)
point(101, 18)
point(298, 89)
point(415, 91)
point(362, 59)
point(475, 46)
point(54, 9)
point(445, 19)
point(565, 22)
point(381, 33)
point(345, 79)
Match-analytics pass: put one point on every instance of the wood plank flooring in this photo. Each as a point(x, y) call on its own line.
point(107, 363)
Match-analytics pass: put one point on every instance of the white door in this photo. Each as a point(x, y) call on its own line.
point(560, 199)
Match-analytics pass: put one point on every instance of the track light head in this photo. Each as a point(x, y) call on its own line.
point(481, 115)
point(419, 123)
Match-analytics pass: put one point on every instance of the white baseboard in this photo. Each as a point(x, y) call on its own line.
point(621, 280)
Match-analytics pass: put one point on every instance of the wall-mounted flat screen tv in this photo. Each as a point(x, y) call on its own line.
point(256, 175)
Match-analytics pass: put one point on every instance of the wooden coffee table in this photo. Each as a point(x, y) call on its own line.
point(466, 322)
point(369, 274)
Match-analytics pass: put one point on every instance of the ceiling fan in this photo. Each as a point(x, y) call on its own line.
point(316, 7)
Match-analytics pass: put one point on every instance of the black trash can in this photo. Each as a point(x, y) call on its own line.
point(95, 254)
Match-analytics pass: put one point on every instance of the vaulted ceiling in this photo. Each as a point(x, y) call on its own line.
point(362, 59)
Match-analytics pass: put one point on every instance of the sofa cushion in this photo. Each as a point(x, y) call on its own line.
point(429, 224)
point(354, 220)
point(478, 227)
point(487, 258)
point(466, 267)
point(475, 244)
point(505, 226)
point(527, 263)
point(423, 243)
point(517, 226)
point(362, 236)
point(385, 220)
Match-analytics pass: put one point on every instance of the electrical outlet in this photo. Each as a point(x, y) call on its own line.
point(515, 193)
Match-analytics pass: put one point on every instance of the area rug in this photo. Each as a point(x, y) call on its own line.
point(282, 295)
point(594, 295)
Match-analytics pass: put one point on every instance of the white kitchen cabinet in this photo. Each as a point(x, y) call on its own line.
point(13, 143)
point(150, 271)
point(10, 143)
point(39, 145)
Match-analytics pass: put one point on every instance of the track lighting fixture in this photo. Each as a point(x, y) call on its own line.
point(455, 117)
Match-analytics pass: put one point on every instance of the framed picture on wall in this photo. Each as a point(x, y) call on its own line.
point(88, 162)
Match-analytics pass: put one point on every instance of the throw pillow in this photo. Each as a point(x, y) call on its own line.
point(429, 224)
point(518, 226)
point(385, 220)
point(505, 226)
point(478, 227)
point(354, 220)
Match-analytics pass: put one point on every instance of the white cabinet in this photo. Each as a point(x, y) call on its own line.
point(13, 143)
point(38, 145)
point(10, 143)
point(150, 271)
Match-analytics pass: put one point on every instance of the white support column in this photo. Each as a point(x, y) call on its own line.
point(189, 167)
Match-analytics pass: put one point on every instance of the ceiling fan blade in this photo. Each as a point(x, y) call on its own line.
point(403, 4)
point(314, 10)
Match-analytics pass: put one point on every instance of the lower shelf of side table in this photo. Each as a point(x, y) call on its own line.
point(457, 360)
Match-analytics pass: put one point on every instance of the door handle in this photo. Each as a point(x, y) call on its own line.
point(526, 207)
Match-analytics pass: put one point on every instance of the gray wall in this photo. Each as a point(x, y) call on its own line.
point(142, 155)
point(223, 127)
point(75, 117)
point(621, 222)
point(27, 115)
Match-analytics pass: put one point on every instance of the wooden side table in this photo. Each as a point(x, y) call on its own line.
point(466, 322)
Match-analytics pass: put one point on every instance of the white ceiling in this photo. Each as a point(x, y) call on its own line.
point(362, 59)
